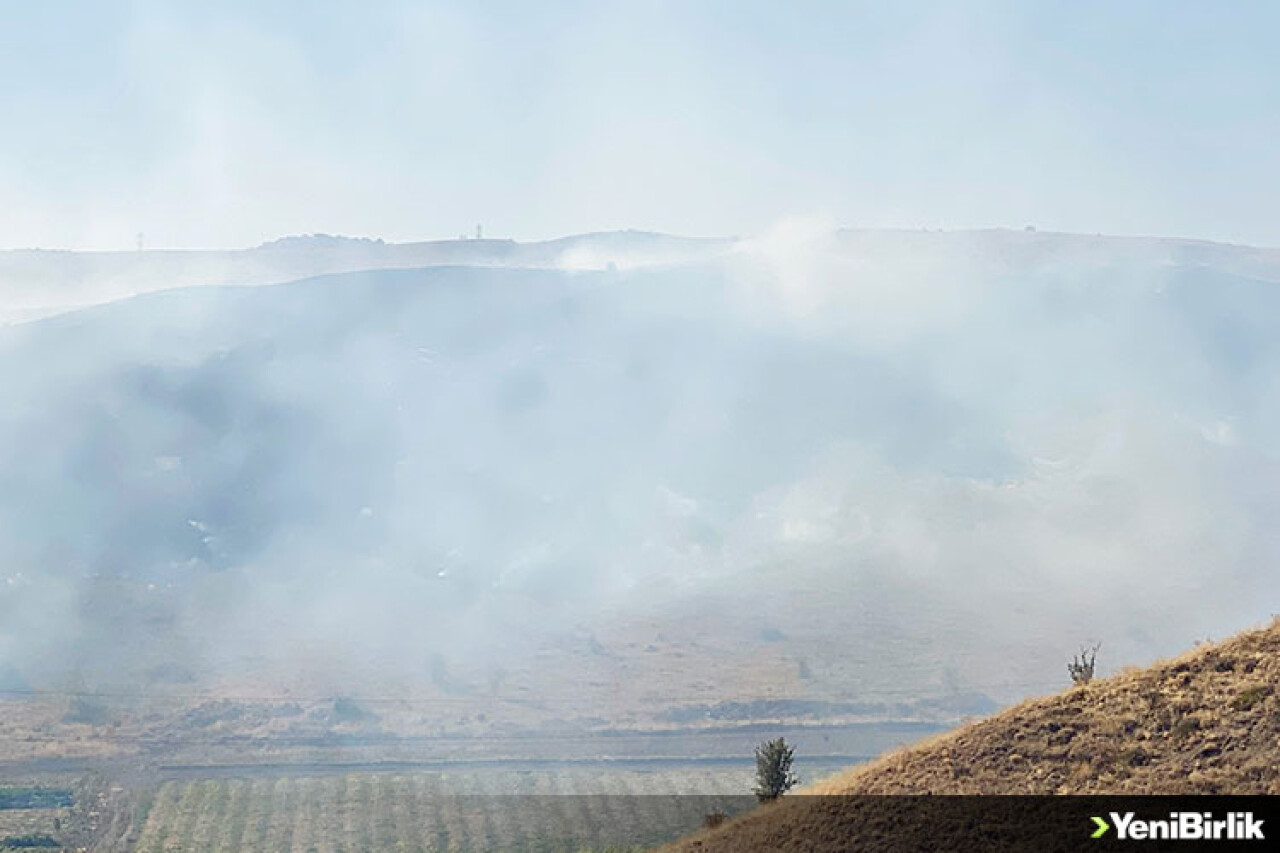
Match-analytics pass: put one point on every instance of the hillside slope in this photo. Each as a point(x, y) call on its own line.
point(1207, 722)
point(464, 473)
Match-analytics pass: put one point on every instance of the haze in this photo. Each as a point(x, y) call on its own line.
point(229, 124)
point(774, 411)
point(815, 464)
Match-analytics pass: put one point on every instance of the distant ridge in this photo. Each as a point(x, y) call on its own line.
point(1207, 722)
point(36, 283)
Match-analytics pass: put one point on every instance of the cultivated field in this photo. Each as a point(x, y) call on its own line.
point(481, 810)
point(33, 816)
point(25, 825)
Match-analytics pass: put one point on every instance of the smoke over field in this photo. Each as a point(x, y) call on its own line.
point(820, 465)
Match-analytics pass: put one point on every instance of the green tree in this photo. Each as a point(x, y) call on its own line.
point(773, 769)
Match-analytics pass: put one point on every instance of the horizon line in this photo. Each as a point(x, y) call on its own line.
point(376, 241)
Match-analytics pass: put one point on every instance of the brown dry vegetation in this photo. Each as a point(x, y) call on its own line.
point(1207, 722)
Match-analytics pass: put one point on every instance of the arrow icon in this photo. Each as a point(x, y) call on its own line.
point(1103, 826)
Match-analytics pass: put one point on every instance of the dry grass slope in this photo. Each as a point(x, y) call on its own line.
point(1207, 722)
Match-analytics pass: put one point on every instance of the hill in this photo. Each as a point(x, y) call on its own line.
point(469, 475)
point(1207, 722)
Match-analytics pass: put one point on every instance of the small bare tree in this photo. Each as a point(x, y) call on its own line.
point(1081, 666)
point(773, 769)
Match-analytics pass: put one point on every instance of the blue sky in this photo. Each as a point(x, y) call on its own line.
point(229, 123)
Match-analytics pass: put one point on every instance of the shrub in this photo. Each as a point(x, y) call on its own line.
point(714, 819)
point(773, 769)
point(1081, 667)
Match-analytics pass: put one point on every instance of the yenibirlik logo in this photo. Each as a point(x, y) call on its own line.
point(1183, 826)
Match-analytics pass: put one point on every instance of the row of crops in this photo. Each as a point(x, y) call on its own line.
point(482, 810)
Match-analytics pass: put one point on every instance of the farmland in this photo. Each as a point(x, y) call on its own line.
point(34, 816)
point(311, 775)
point(481, 806)
point(579, 809)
